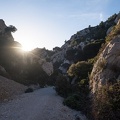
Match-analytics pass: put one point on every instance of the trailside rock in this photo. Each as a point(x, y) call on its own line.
point(106, 69)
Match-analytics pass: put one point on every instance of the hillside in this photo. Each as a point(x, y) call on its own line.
point(105, 78)
point(10, 88)
point(89, 67)
point(85, 70)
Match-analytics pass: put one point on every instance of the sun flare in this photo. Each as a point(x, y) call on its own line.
point(27, 48)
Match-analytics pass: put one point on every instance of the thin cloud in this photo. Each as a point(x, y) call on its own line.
point(86, 16)
point(101, 17)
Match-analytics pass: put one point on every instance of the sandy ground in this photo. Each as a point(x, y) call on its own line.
point(42, 104)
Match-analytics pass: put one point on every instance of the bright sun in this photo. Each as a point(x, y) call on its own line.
point(26, 48)
point(27, 43)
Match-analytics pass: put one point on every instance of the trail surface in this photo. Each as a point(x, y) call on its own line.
point(42, 104)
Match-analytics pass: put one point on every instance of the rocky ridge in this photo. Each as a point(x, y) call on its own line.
point(107, 68)
point(83, 45)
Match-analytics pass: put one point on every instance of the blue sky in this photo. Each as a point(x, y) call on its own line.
point(48, 23)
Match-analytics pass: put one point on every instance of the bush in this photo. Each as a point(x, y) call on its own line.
point(62, 86)
point(81, 69)
point(73, 101)
point(28, 90)
point(115, 31)
point(70, 54)
point(106, 103)
point(92, 49)
point(77, 102)
point(10, 28)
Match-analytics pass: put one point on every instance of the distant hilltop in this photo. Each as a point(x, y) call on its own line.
point(5, 31)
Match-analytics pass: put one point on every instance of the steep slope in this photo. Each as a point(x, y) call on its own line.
point(23, 67)
point(105, 78)
point(10, 88)
point(97, 94)
point(107, 67)
point(83, 45)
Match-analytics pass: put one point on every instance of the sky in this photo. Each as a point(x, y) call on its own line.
point(48, 23)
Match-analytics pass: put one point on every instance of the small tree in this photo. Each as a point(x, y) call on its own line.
point(62, 86)
point(10, 28)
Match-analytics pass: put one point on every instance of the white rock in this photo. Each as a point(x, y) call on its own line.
point(117, 18)
point(109, 30)
point(104, 69)
point(48, 67)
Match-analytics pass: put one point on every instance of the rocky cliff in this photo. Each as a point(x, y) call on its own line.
point(83, 45)
point(19, 65)
point(107, 68)
point(105, 77)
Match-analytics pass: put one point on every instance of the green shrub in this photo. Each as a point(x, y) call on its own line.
point(28, 90)
point(73, 101)
point(70, 54)
point(77, 102)
point(115, 31)
point(81, 69)
point(92, 49)
point(106, 103)
point(62, 86)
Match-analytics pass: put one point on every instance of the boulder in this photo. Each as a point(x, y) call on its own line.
point(48, 67)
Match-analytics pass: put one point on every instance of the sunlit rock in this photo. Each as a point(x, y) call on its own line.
point(107, 67)
point(117, 18)
point(48, 67)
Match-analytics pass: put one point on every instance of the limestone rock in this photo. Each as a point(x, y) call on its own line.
point(2, 69)
point(48, 67)
point(117, 18)
point(109, 30)
point(106, 69)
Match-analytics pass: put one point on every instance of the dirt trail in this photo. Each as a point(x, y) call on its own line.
point(42, 104)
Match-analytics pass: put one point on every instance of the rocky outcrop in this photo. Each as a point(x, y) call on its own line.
point(2, 26)
point(107, 68)
point(48, 67)
point(6, 35)
point(85, 44)
point(117, 18)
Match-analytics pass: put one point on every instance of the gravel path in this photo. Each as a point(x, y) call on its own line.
point(42, 104)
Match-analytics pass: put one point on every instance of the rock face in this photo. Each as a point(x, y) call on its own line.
point(107, 68)
point(5, 35)
point(48, 67)
point(2, 26)
point(83, 45)
point(117, 18)
point(20, 66)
